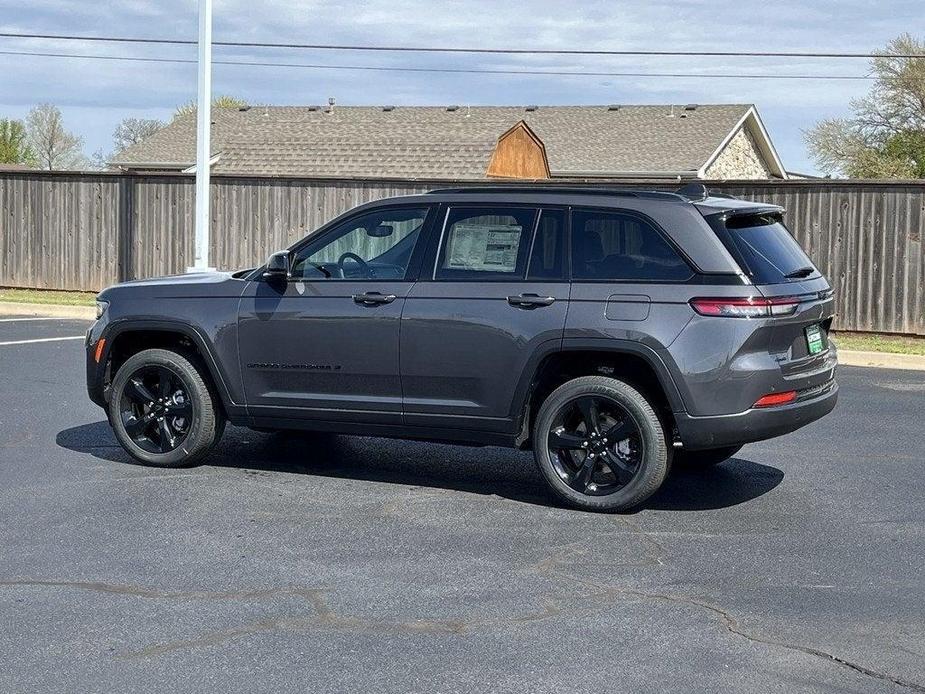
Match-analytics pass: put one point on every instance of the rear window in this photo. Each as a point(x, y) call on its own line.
point(764, 248)
point(618, 246)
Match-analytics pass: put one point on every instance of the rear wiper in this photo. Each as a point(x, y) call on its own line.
point(802, 272)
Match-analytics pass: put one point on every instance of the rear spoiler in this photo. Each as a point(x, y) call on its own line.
point(695, 191)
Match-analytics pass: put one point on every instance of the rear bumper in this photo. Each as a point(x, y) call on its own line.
point(754, 424)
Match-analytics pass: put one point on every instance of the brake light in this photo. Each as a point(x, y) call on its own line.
point(772, 399)
point(745, 307)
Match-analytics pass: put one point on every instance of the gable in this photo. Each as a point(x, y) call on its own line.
point(519, 153)
point(741, 158)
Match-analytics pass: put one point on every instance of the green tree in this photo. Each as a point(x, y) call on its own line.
point(885, 136)
point(54, 146)
point(14, 145)
point(221, 101)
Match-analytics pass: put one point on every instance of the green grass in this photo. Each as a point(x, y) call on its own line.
point(48, 296)
point(873, 342)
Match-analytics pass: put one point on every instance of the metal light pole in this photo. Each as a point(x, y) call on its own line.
point(203, 132)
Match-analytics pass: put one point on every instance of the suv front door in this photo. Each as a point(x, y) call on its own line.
point(324, 345)
point(492, 296)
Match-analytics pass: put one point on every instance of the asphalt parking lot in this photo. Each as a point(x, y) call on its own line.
point(339, 564)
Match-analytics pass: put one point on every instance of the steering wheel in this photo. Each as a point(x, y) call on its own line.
point(364, 266)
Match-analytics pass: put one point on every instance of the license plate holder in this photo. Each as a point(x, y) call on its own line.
point(815, 339)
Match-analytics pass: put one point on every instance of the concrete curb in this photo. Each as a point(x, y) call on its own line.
point(882, 360)
point(13, 308)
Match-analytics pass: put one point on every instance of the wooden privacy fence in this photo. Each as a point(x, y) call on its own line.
point(89, 230)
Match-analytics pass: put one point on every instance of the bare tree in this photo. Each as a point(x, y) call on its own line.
point(885, 137)
point(221, 101)
point(54, 147)
point(131, 131)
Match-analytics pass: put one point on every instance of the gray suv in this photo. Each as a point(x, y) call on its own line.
point(612, 332)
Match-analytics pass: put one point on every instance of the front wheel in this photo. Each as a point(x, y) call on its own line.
point(162, 411)
point(600, 445)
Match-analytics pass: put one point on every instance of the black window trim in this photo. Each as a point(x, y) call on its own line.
point(694, 277)
point(566, 244)
point(449, 207)
point(325, 232)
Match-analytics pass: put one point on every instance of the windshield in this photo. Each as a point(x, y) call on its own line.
point(764, 248)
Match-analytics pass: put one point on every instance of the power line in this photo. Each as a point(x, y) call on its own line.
point(477, 71)
point(442, 49)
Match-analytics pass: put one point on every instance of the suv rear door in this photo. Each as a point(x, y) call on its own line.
point(492, 296)
point(625, 274)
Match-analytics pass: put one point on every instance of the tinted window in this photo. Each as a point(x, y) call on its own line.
point(765, 248)
point(620, 246)
point(376, 245)
point(547, 260)
point(485, 243)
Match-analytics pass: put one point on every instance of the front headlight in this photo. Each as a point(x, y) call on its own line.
point(101, 307)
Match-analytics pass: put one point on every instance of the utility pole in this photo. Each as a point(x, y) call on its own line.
point(203, 133)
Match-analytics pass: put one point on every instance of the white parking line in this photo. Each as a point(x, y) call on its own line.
point(41, 339)
point(19, 320)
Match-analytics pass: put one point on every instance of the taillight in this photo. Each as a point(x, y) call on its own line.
point(746, 307)
point(772, 399)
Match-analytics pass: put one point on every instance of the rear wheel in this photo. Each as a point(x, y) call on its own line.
point(705, 458)
point(162, 411)
point(600, 445)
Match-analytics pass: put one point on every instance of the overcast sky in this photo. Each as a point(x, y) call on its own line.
point(95, 95)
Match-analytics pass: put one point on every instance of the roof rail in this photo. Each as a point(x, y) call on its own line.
point(572, 190)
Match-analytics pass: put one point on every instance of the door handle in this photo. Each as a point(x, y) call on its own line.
point(530, 300)
point(373, 298)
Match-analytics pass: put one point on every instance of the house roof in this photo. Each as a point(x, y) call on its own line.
point(439, 142)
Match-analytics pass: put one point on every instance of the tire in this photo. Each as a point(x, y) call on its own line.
point(626, 470)
point(706, 458)
point(189, 412)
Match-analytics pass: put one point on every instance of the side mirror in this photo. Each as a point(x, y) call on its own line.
point(381, 231)
point(277, 266)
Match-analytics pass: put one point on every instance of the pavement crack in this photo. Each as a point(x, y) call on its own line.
point(320, 614)
point(658, 549)
point(140, 592)
point(551, 566)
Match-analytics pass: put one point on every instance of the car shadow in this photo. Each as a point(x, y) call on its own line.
point(507, 473)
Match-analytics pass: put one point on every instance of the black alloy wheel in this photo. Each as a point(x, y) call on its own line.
point(595, 445)
point(600, 444)
point(155, 409)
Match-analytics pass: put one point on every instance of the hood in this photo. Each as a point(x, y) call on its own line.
point(193, 284)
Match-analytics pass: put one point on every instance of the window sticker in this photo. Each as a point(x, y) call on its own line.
point(483, 247)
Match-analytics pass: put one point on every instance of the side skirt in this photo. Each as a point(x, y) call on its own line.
point(432, 434)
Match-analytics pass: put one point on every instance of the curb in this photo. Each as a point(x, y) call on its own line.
point(13, 308)
point(881, 360)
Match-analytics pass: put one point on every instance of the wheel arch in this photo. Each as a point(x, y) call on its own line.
point(124, 338)
point(553, 364)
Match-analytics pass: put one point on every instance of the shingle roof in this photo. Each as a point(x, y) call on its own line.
point(434, 142)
